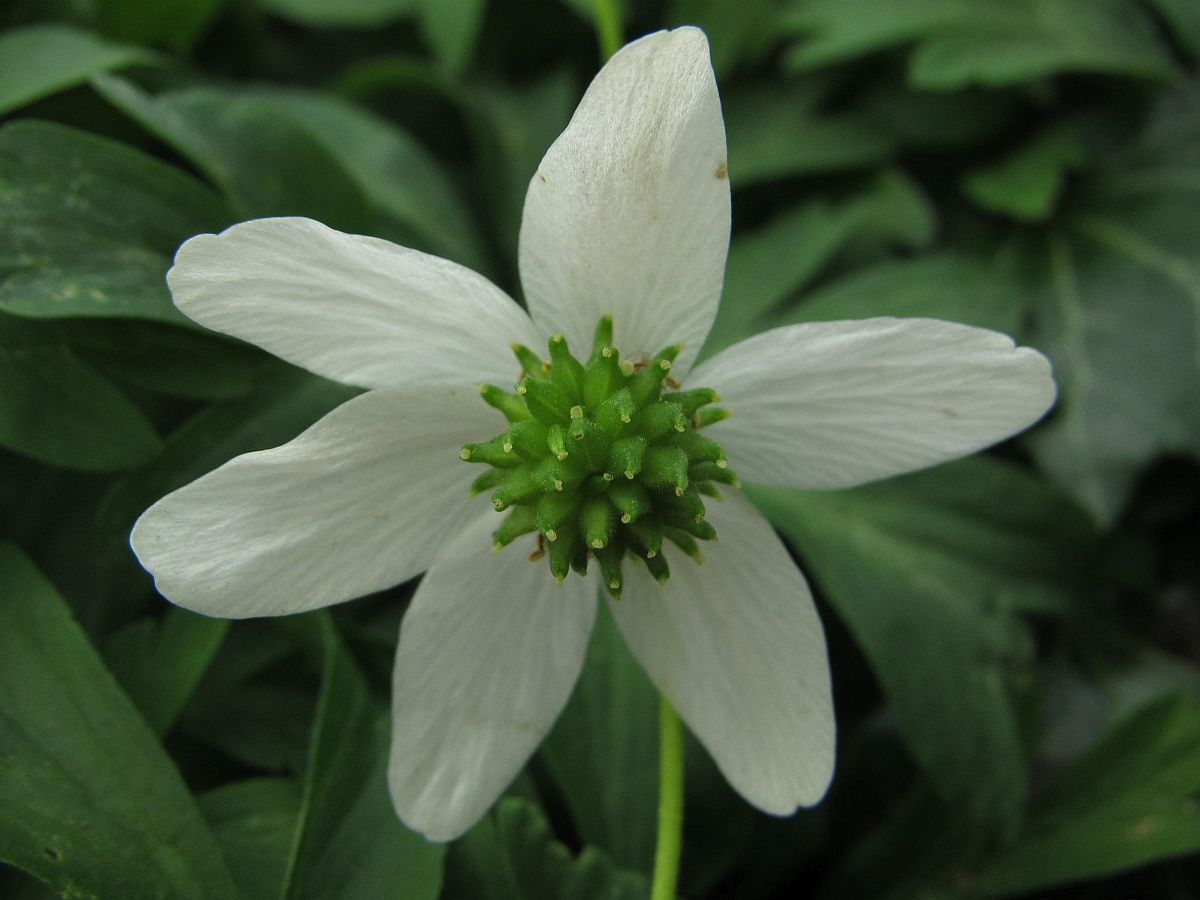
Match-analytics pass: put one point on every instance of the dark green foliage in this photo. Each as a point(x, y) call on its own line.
point(1014, 639)
point(92, 803)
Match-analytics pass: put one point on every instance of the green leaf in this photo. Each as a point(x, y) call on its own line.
point(264, 160)
point(1118, 312)
point(91, 225)
point(511, 855)
point(782, 131)
point(960, 42)
point(343, 14)
point(908, 853)
point(92, 804)
point(398, 176)
point(375, 77)
point(736, 31)
point(512, 128)
point(769, 265)
point(586, 9)
point(833, 32)
point(949, 285)
point(1129, 800)
point(160, 662)
point(255, 703)
point(1129, 382)
point(41, 60)
point(1183, 17)
point(924, 120)
point(16, 885)
point(1027, 183)
point(929, 572)
point(286, 403)
point(1039, 38)
point(254, 821)
point(452, 29)
point(58, 410)
point(603, 751)
point(348, 841)
point(164, 359)
point(169, 23)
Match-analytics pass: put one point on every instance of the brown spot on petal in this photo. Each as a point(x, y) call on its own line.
point(722, 170)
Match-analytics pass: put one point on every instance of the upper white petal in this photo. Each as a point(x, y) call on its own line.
point(835, 404)
point(360, 501)
point(488, 654)
point(628, 213)
point(356, 309)
point(736, 645)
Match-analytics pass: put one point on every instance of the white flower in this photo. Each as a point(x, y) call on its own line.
point(628, 215)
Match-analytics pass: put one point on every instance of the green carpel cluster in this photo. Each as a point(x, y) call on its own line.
point(600, 461)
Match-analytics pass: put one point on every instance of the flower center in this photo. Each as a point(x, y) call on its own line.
point(600, 461)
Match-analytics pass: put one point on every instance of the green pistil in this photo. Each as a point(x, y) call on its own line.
point(600, 461)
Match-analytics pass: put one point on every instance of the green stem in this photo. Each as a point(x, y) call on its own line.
point(608, 27)
point(670, 803)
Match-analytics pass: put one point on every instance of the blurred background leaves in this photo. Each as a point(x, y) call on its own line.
point(1015, 638)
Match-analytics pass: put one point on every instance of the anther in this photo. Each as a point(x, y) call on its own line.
point(530, 362)
point(597, 519)
point(556, 441)
point(658, 567)
point(610, 568)
point(602, 337)
point(614, 413)
point(691, 401)
point(627, 455)
point(491, 452)
point(548, 402)
point(565, 370)
point(666, 467)
point(555, 511)
point(512, 406)
point(711, 416)
point(518, 522)
point(488, 480)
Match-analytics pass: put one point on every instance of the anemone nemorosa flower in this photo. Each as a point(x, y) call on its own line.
point(609, 457)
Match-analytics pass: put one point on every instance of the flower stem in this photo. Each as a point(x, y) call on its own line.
point(670, 803)
point(608, 27)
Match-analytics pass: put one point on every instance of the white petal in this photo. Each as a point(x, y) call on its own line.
point(835, 404)
point(736, 646)
point(360, 501)
point(628, 213)
point(356, 309)
point(488, 654)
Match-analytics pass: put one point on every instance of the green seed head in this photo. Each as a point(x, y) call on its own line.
point(602, 460)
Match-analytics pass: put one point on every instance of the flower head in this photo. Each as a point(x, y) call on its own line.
point(599, 461)
point(615, 457)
